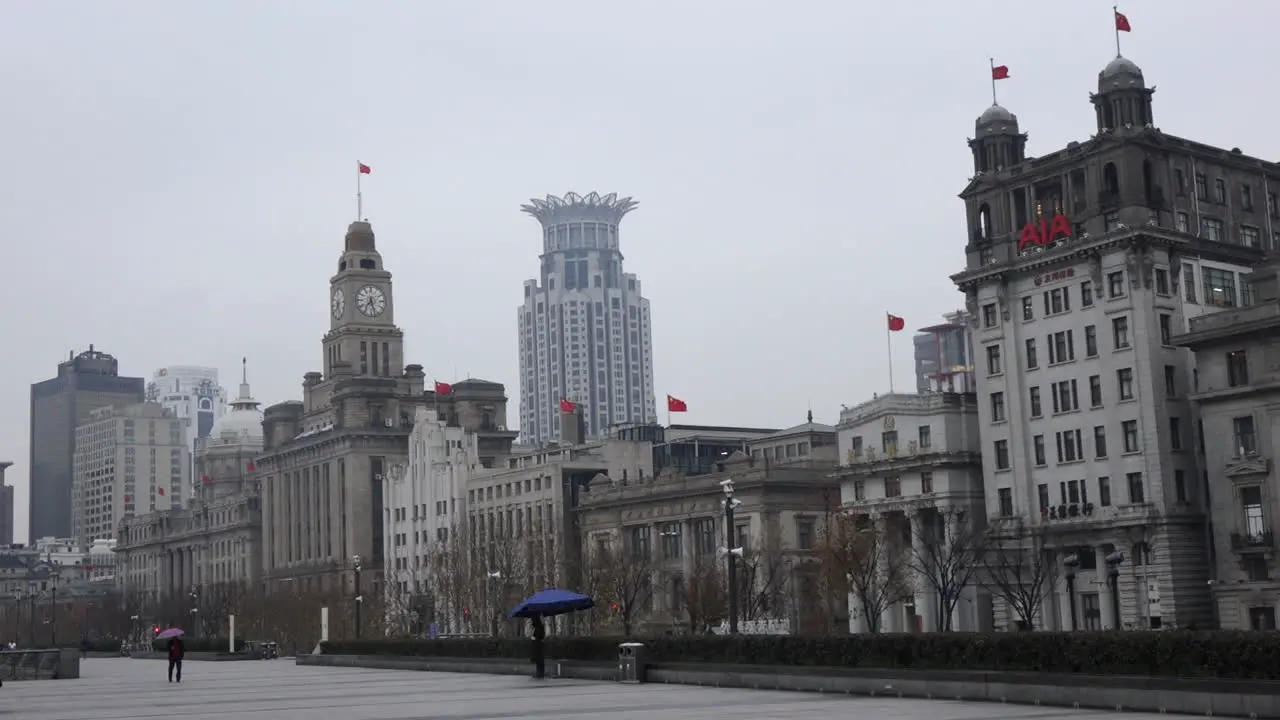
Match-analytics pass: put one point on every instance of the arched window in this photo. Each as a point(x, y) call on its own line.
point(984, 221)
point(1110, 179)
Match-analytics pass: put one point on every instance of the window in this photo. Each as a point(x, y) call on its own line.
point(889, 442)
point(892, 487)
point(1062, 347)
point(1086, 294)
point(1090, 341)
point(1137, 496)
point(1090, 612)
point(1036, 411)
point(1237, 368)
point(859, 490)
point(1183, 222)
point(1028, 308)
point(1219, 287)
point(1056, 301)
point(1110, 221)
point(1129, 431)
point(1255, 523)
point(640, 543)
point(1095, 391)
point(989, 315)
point(1202, 187)
point(1246, 197)
point(1124, 381)
point(1219, 191)
point(1180, 181)
point(1189, 283)
point(1175, 433)
point(1070, 447)
point(1006, 502)
point(997, 407)
point(805, 533)
point(1211, 229)
point(1042, 495)
point(1002, 454)
point(1250, 237)
point(1120, 332)
point(1104, 491)
point(926, 483)
point(926, 437)
point(1162, 281)
point(1170, 381)
point(671, 541)
point(1065, 398)
point(1037, 444)
point(993, 359)
point(1100, 441)
point(1246, 440)
point(1032, 361)
point(1180, 486)
point(1115, 284)
point(1166, 328)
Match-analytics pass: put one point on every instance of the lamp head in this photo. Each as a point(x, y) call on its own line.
point(1071, 562)
point(1115, 558)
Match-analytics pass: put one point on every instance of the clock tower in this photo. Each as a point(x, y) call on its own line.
point(362, 331)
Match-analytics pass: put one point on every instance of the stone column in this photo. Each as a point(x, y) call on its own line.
point(926, 600)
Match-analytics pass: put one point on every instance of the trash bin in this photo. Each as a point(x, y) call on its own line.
point(631, 663)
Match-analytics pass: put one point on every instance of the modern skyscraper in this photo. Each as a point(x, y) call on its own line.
point(6, 507)
point(584, 326)
point(193, 395)
point(84, 383)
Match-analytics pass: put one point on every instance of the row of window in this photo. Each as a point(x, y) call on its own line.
point(1076, 492)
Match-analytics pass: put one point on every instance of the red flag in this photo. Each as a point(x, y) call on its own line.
point(443, 388)
point(1122, 23)
point(1000, 72)
point(159, 491)
point(250, 467)
point(675, 404)
point(206, 479)
point(567, 405)
point(896, 323)
point(364, 169)
point(126, 498)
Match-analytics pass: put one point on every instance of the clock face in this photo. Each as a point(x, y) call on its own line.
point(338, 304)
point(371, 301)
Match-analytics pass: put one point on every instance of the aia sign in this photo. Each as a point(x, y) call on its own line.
point(1045, 232)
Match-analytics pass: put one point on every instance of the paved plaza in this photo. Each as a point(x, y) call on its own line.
point(280, 690)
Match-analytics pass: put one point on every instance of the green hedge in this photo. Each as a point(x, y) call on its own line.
point(1253, 655)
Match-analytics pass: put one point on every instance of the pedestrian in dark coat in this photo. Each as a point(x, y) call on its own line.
point(539, 648)
point(176, 652)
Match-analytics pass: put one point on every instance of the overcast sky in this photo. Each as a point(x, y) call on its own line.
point(180, 174)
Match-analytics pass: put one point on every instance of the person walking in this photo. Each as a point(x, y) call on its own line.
point(176, 651)
point(539, 647)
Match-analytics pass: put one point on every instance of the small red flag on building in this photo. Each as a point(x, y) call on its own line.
point(364, 169)
point(126, 498)
point(1122, 23)
point(675, 404)
point(250, 467)
point(567, 405)
point(443, 388)
point(896, 323)
point(1000, 72)
point(159, 491)
point(205, 479)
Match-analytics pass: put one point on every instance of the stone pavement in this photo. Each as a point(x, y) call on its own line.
point(280, 690)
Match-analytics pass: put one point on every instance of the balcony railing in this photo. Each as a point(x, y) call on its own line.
point(1245, 542)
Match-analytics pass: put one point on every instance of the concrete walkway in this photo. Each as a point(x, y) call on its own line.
point(280, 690)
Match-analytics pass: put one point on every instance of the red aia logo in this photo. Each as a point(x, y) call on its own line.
point(1045, 233)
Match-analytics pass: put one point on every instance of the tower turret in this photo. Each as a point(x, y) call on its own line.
point(1123, 99)
point(997, 143)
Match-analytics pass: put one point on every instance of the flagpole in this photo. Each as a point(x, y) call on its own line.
point(888, 341)
point(1115, 23)
point(359, 195)
point(993, 82)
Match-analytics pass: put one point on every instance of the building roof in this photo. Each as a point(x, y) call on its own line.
point(243, 423)
point(801, 429)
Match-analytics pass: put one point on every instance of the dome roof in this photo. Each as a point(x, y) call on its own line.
point(996, 119)
point(1120, 73)
point(243, 423)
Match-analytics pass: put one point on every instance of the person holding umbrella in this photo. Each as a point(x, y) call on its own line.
point(177, 650)
point(544, 604)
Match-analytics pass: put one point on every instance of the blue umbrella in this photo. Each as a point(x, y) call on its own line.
point(551, 601)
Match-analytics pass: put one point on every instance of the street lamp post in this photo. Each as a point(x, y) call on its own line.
point(1113, 579)
point(355, 565)
point(495, 578)
point(31, 617)
point(53, 617)
point(1070, 564)
point(732, 553)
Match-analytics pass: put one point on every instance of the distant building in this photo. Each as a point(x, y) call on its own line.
point(84, 383)
point(195, 397)
point(584, 332)
point(944, 356)
point(128, 460)
point(6, 507)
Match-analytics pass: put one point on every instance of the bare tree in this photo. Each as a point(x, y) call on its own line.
point(764, 579)
point(626, 581)
point(450, 574)
point(947, 556)
point(861, 549)
point(1020, 569)
point(705, 596)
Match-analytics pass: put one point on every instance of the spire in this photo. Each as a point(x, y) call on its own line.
point(810, 416)
point(245, 400)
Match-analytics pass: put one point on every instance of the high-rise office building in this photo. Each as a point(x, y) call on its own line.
point(584, 325)
point(6, 507)
point(85, 382)
point(193, 395)
point(128, 461)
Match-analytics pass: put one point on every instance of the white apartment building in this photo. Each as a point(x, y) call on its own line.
point(128, 460)
point(913, 463)
point(194, 396)
point(584, 325)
